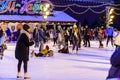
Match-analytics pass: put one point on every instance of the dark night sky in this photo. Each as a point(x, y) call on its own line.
point(89, 17)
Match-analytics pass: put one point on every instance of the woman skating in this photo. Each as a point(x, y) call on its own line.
point(22, 50)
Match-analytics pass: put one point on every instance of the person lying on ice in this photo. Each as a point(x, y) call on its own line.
point(64, 50)
point(44, 53)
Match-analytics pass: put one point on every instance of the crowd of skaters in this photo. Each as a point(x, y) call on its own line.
point(63, 37)
point(73, 36)
point(67, 36)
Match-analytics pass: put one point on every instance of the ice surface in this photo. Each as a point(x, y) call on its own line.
point(89, 64)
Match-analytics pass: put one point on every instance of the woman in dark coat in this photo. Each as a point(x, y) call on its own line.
point(22, 50)
point(114, 71)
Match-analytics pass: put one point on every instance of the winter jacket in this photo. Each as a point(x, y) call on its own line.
point(44, 51)
point(8, 32)
point(115, 58)
point(41, 36)
point(2, 40)
point(100, 36)
point(1, 33)
point(22, 47)
point(110, 31)
point(35, 34)
point(87, 34)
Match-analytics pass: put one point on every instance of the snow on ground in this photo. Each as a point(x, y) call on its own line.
point(89, 64)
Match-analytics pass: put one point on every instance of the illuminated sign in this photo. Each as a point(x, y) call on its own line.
point(26, 6)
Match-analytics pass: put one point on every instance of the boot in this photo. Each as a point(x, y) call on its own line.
point(26, 76)
point(76, 52)
point(72, 51)
point(19, 75)
point(32, 54)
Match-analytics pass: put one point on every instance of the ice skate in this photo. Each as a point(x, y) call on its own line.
point(72, 51)
point(26, 77)
point(1, 56)
point(76, 52)
point(19, 77)
point(100, 46)
point(32, 54)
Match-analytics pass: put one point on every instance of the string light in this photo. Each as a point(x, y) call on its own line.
point(112, 17)
point(110, 20)
point(111, 10)
point(82, 5)
point(45, 17)
point(47, 13)
point(107, 4)
point(45, 9)
point(47, 5)
point(79, 12)
point(98, 12)
point(116, 13)
point(89, 8)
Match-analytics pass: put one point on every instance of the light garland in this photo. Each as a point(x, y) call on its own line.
point(88, 8)
point(107, 4)
point(78, 12)
point(116, 8)
point(98, 12)
point(118, 14)
point(65, 9)
point(92, 6)
point(82, 5)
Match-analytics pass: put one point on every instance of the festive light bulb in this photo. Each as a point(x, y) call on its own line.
point(47, 5)
point(110, 20)
point(44, 16)
point(112, 17)
point(47, 13)
point(111, 11)
point(45, 9)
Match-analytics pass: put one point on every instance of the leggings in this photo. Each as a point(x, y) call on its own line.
point(25, 65)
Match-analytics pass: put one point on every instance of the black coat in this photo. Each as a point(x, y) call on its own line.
point(1, 33)
point(22, 47)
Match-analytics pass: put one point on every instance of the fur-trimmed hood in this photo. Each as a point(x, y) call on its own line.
point(23, 31)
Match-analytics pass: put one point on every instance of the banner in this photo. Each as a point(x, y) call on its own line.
point(23, 7)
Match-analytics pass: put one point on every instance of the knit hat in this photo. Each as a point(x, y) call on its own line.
point(47, 47)
point(26, 27)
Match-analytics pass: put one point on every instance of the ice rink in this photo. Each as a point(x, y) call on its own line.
point(91, 63)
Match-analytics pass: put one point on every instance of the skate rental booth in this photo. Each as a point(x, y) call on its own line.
point(15, 13)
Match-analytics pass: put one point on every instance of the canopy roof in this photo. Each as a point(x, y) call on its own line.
point(58, 16)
